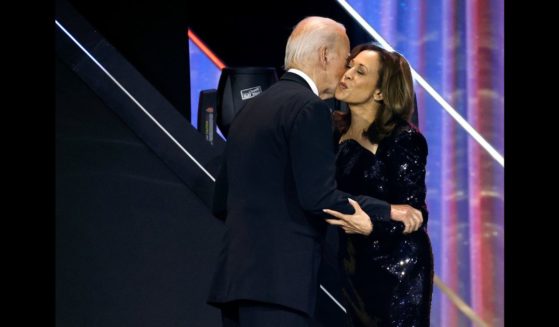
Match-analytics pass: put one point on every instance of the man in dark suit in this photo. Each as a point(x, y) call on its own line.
point(277, 177)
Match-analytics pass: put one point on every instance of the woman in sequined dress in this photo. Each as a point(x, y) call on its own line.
point(389, 274)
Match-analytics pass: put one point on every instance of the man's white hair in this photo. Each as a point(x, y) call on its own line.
point(307, 37)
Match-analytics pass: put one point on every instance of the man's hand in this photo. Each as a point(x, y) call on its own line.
point(358, 223)
point(411, 217)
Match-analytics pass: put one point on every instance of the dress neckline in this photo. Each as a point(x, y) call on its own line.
point(359, 144)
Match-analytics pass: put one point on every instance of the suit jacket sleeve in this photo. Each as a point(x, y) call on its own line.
point(313, 162)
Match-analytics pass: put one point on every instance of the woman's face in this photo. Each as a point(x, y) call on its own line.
point(358, 84)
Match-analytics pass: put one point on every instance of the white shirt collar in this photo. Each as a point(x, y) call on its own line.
point(306, 78)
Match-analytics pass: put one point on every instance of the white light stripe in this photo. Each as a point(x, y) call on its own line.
point(159, 125)
point(134, 100)
point(333, 299)
point(492, 151)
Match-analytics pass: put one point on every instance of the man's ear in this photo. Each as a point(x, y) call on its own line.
point(323, 56)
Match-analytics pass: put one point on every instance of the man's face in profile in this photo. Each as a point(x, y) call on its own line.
point(337, 61)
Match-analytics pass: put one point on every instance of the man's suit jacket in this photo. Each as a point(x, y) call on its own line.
point(278, 175)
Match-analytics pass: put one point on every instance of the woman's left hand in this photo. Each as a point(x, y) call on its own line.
point(357, 223)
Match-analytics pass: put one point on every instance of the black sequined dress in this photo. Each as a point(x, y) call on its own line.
point(389, 275)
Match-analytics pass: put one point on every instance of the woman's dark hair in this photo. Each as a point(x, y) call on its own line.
point(396, 85)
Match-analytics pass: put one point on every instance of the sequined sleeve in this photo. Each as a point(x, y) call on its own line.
point(406, 161)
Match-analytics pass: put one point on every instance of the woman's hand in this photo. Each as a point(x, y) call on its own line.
point(357, 223)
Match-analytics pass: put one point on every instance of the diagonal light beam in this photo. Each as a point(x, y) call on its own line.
point(133, 98)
